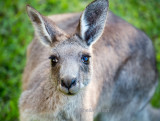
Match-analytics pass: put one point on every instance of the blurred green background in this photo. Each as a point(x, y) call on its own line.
point(16, 32)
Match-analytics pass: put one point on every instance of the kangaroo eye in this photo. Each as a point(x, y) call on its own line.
point(54, 60)
point(85, 59)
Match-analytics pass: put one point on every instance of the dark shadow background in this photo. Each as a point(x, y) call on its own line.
point(16, 32)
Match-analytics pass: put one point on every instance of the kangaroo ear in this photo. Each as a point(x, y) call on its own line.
point(92, 21)
point(46, 30)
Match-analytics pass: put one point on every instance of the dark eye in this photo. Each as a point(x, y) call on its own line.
point(85, 59)
point(54, 60)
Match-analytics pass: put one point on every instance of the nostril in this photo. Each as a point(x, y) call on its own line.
point(68, 83)
point(62, 83)
point(73, 82)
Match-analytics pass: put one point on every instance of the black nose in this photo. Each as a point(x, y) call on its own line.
point(68, 83)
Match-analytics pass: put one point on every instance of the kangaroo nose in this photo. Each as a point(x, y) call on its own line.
point(68, 83)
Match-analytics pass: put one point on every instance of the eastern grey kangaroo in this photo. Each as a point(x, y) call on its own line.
point(88, 66)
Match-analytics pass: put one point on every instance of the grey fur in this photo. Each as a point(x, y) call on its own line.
point(117, 85)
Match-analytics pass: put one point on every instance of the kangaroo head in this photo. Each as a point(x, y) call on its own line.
point(70, 55)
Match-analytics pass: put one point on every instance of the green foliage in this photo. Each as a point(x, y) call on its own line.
point(16, 32)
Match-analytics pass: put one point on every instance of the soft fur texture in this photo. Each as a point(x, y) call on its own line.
point(118, 83)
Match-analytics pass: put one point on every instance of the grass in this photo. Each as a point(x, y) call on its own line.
point(16, 32)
